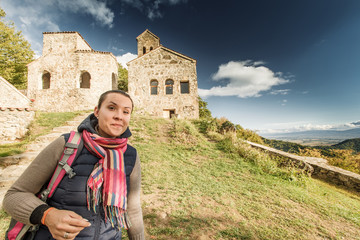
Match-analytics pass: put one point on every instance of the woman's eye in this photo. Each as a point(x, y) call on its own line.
point(111, 108)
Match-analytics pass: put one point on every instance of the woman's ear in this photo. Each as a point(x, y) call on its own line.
point(96, 112)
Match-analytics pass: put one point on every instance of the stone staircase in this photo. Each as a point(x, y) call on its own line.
point(16, 164)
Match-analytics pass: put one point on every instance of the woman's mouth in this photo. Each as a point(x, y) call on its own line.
point(117, 125)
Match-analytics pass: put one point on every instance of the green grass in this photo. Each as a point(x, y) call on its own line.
point(42, 124)
point(197, 186)
point(221, 189)
point(4, 223)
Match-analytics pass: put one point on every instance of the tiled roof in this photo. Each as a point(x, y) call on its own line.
point(18, 109)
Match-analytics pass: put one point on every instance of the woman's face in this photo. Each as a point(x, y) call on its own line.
point(113, 115)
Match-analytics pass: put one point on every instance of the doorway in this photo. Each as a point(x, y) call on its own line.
point(169, 113)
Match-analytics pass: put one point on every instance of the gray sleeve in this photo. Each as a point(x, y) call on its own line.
point(136, 231)
point(20, 200)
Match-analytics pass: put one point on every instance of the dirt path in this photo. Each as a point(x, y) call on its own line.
point(18, 163)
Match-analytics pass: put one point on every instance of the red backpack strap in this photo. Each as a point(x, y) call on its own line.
point(64, 165)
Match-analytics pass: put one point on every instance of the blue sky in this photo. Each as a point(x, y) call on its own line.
point(267, 65)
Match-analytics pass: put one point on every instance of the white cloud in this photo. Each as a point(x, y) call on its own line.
point(154, 11)
point(246, 79)
point(127, 57)
point(283, 103)
point(152, 7)
point(301, 126)
point(134, 3)
point(95, 8)
point(280, 92)
point(33, 17)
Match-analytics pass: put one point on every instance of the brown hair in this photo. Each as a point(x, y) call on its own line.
point(103, 96)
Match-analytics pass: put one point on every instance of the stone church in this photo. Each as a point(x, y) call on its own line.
point(70, 75)
point(161, 81)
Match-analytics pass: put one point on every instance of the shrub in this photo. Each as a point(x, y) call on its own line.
point(227, 126)
point(207, 125)
point(249, 135)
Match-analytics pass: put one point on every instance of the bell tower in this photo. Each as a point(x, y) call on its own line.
point(147, 41)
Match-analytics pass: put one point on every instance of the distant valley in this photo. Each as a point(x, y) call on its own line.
point(315, 137)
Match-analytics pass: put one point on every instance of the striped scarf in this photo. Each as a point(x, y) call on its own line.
point(108, 178)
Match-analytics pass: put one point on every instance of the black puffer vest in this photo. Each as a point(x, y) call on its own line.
point(71, 195)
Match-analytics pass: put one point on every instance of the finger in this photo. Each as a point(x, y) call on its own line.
point(74, 215)
point(69, 236)
point(60, 235)
point(72, 229)
point(79, 222)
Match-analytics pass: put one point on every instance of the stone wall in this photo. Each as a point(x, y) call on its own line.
point(319, 168)
point(60, 42)
point(162, 64)
point(66, 56)
point(15, 113)
point(14, 123)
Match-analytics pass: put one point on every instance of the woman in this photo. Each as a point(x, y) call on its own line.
point(83, 207)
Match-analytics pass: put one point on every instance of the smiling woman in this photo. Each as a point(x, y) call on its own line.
point(113, 114)
point(104, 194)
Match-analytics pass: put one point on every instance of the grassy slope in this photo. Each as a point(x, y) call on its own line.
point(193, 190)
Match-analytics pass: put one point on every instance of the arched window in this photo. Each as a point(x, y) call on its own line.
point(85, 80)
point(169, 84)
point(151, 48)
point(154, 87)
point(46, 80)
point(144, 50)
point(114, 81)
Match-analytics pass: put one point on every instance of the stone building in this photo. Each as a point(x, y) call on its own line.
point(161, 81)
point(70, 75)
point(15, 112)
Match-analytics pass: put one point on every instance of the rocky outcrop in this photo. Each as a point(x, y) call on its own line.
point(319, 168)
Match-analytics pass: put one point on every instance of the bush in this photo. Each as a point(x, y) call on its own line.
point(185, 132)
point(226, 145)
point(227, 126)
point(207, 125)
point(249, 135)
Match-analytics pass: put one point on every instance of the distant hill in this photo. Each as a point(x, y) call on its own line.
point(315, 137)
point(284, 145)
point(353, 144)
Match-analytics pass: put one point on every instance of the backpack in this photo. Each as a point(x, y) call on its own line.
point(73, 147)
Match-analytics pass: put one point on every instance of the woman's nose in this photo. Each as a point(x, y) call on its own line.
point(118, 115)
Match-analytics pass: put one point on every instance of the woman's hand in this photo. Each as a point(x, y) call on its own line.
point(65, 224)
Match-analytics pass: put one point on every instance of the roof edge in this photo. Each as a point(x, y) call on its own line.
point(15, 89)
point(148, 31)
point(166, 49)
point(69, 32)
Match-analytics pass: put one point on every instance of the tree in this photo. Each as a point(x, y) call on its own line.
point(204, 112)
point(15, 53)
point(123, 78)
